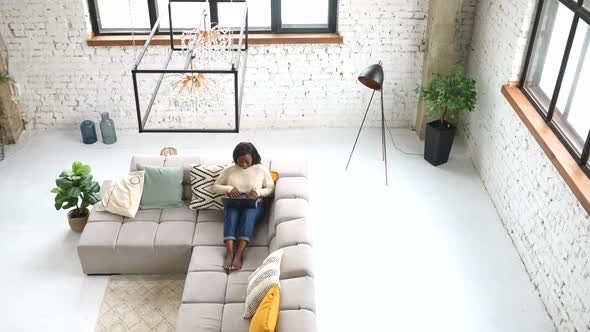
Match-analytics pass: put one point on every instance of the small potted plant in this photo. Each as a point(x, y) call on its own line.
point(75, 188)
point(447, 96)
point(5, 79)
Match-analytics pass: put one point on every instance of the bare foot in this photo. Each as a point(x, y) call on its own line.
point(229, 255)
point(227, 263)
point(237, 263)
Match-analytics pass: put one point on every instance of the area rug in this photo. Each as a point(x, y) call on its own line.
point(141, 303)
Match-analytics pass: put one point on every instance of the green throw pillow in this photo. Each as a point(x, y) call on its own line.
point(162, 188)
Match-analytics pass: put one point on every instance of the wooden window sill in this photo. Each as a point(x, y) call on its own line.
point(572, 173)
point(253, 38)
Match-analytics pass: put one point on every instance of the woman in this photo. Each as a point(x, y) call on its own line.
point(245, 176)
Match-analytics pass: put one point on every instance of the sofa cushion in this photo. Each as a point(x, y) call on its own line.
point(290, 209)
point(297, 262)
point(292, 233)
point(98, 216)
point(289, 168)
point(205, 287)
point(137, 238)
point(174, 234)
point(185, 162)
point(260, 237)
point(253, 258)
point(208, 234)
point(157, 161)
point(237, 284)
point(233, 320)
point(220, 160)
point(296, 321)
point(100, 234)
point(285, 210)
point(298, 293)
point(173, 246)
point(210, 258)
point(98, 241)
point(292, 187)
point(209, 215)
point(199, 317)
point(182, 213)
point(211, 234)
point(151, 215)
point(207, 258)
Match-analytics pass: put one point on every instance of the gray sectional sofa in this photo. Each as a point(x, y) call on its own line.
point(180, 240)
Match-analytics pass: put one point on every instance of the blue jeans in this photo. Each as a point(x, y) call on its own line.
point(243, 221)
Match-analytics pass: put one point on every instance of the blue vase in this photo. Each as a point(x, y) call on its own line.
point(107, 129)
point(88, 132)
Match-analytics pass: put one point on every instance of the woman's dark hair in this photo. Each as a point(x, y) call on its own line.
point(245, 148)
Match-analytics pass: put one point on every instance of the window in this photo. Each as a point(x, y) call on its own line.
point(111, 17)
point(556, 76)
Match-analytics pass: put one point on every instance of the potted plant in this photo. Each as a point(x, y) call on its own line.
point(447, 96)
point(75, 188)
point(5, 79)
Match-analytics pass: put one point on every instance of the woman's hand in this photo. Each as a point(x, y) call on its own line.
point(234, 193)
point(253, 194)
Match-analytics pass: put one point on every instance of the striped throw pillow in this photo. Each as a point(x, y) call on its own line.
point(202, 179)
point(261, 281)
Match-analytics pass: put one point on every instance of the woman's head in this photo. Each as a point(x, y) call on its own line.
point(246, 155)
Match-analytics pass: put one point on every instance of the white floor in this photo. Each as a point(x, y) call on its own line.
point(426, 253)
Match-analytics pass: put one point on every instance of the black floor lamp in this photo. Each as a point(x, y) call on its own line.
point(372, 77)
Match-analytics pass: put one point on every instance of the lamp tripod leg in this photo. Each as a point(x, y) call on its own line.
point(360, 129)
point(383, 137)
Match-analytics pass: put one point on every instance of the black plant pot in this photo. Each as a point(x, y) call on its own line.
point(438, 142)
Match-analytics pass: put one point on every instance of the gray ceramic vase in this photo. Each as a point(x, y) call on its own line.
point(107, 129)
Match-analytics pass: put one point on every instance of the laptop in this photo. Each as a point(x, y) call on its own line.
point(243, 202)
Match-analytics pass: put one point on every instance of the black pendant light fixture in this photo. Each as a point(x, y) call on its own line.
point(372, 77)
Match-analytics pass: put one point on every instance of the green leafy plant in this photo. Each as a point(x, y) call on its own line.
point(5, 79)
point(448, 95)
point(75, 187)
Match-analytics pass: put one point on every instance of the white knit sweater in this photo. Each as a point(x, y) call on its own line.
point(255, 177)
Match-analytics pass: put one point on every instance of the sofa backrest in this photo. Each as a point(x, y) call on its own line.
point(285, 168)
point(289, 229)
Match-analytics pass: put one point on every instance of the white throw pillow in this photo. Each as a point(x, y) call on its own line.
point(123, 195)
point(261, 281)
point(202, 180)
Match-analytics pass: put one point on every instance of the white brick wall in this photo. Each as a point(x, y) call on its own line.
point(549, 228)
point(63, 81)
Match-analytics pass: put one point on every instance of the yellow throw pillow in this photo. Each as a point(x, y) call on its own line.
point(275, 176)
point(267, 314)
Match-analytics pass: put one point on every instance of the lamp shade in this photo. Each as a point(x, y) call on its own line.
point(372, 77)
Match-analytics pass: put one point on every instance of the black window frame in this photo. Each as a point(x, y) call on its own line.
point(276, 25)
point(546, 106)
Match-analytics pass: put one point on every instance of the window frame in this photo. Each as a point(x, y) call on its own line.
point(555, 123)
point(276, 25)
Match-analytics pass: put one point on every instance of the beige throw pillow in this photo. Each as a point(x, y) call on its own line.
point(261, 281)
point(123, 195)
